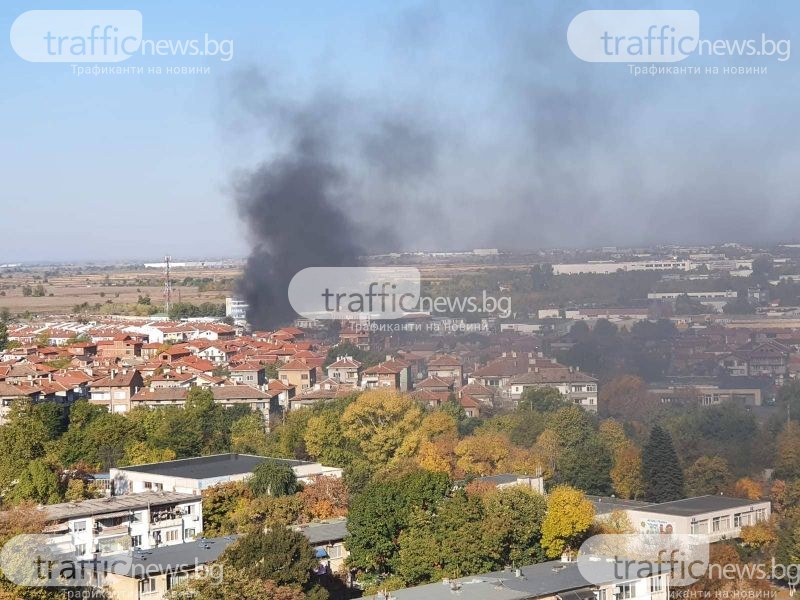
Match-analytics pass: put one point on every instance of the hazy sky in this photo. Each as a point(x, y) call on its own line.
point(529, 146)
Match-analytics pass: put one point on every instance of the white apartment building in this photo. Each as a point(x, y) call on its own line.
point(576, 387)
point(116, 524)
point(193, 475)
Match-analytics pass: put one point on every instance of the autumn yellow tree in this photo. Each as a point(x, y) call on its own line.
point(611, 434)
point(483, 453)
point(140, 453)
point(548, 448)
point(747, 488)
point(379, 421)
point(569, 518)
point(626, 472)
point(324, 498)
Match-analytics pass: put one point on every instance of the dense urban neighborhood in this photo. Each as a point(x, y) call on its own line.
point(474, 450)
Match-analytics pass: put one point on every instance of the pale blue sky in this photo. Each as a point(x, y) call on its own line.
point(118, 167)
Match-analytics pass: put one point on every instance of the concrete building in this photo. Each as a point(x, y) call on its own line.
point(299, 374)
point(719, 517)
point(576, 387)
point(554, 580)
point(193, 475)
point(327, 538)
point(506, 480)
point(115, 391)
point(107, 525)
point(152, 574)
point(608, 267)
point(236, 309)
point(345, 370)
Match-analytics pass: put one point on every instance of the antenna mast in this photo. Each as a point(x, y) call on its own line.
point(168, 286)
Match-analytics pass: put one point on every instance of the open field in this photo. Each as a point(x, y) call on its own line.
point(65, 288)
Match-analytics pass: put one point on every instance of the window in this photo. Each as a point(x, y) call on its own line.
point(171, 535)
point(136, 541)
point(148, 485)
point(79, 526)
point(147, 586)
point(600, 594)
point(137, 516)
point(175, 579)
point(188, 509)
point(761, 515)
point(656, 585)
point(190, 534)
point(625, 591)
point(700, 527)
point(334, 552)
point(715, 524)
point(80, 549)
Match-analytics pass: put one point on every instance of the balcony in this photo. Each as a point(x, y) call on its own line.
point(170, 520)
point(112, 530)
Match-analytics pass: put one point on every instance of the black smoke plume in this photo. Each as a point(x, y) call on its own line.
point(312, 203)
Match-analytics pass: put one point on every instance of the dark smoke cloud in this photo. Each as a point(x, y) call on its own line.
point(309, 205)
point(488, 132)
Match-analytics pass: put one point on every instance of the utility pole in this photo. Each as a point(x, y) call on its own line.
point(167, 286)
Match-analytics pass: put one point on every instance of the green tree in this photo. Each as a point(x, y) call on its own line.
point(37, 483)
point(219, 503)
point(381, 511)
point(587, 467)
point(271, 478)
point(513, 523)
point(280, 555)
point(3, 335)
point(52, 416)
point(546, 399)
point(379, 421)
point(22, 440)
point(708, 475)
point(663, 477)
point(237, 584)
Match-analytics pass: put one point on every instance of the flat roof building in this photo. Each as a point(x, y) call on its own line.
point(554, 579)
point(193, 475)
point(719, 517)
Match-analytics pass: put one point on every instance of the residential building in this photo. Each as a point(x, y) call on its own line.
point(446, 367)
point(115, 524)
point(767, 358)
point(249, 373)
point(345, 370)
point(298, 373)
point(576, 387)
point(553, 580)
point(327, 537)
point(10, 392)
point(150, 575)
point(115, 391)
